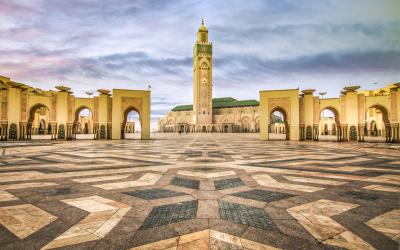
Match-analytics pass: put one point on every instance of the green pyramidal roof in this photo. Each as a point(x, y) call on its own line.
point(225, 102)
point(183, 108)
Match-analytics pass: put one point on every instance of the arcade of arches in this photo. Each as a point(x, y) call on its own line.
point(355, 116)
point(28, 112)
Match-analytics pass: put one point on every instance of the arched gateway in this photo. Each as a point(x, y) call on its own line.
point(351, 119)
point(26, 112)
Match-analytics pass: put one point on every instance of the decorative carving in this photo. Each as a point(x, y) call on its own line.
point(309, 134)
point(353, 133)
point(102, 132)
point(61, 131)
point(13, 132)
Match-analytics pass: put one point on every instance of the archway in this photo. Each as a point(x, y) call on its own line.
point(278, 126)
point(39, 126)
point(42, 127)
point(204, 129)
point(131, 126)
point(245, 124)
point(226, 129)
point(83, 124)
point(329, 125)
point(377, 124)
point(182, 128)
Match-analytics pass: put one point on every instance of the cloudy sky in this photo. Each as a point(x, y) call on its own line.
point(258, 45)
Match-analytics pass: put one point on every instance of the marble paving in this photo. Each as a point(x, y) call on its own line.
point(199, 191)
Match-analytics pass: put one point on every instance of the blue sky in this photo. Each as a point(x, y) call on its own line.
point(258, 45)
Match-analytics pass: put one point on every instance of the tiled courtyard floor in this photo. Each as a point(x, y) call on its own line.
point(219, 191)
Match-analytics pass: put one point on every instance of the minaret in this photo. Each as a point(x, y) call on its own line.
point(202, 78)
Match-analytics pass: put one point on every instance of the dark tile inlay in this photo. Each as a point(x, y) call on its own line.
point(217, 154)
point(362, 195)
point(191, 153)
point(187, 183)
point(245, 215)
point(228, 183)
point(58, 191)
point(154, 193)
point(262, 195)
point(172, 213)
point(204, 169)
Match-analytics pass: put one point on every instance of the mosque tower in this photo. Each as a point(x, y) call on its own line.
point(202, 78)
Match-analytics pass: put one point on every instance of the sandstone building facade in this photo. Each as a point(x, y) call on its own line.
point(26, 111)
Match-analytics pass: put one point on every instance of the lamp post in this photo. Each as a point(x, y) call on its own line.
point(322, 94)
point(89, 93)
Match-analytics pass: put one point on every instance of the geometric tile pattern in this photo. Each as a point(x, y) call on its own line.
point(24, 220)
point(228, 183)
point(314, 180)
point(362, 195)
point(154, 193)
point(205, 239)
point(383, 188)
point(145, 180)
point(172, 213)
point(267, 181)
point(6, 196)
point(314, 196)
point(206, 175)
point(315, 217)
point(58, 191)
point(262, 195)
point(104, 215)
point(387, 223)
point(187, 183)
point(251, 216)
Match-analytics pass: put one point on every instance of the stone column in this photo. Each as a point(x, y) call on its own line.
point(70, 126)
point(23, 131)
point(302, 132)
point(53, 130)
point(387, 132)
point(109, 130)
point(96, 131)
point(344, 133)
point(4, 132)
point(395, 132)
point(315, 132)
point(361, 129)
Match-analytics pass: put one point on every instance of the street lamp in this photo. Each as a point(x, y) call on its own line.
point(322, 94)
point(149, 87)
point(89, 93)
